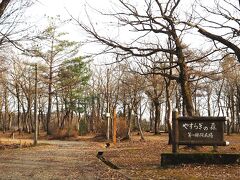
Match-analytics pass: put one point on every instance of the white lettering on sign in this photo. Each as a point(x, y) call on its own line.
point(200, 130)
point(199, 126)
point(200, 135)
point(205, 128)
point(213, 127)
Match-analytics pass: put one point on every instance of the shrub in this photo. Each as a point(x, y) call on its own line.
point(83, 128)
point(122, 127)
point(53, 128)
point(101, 128)
point(65, 133)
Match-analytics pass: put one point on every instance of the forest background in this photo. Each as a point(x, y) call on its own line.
point(70, 69)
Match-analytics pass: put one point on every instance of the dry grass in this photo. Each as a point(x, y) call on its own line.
point(8, 143)
point(65, 133)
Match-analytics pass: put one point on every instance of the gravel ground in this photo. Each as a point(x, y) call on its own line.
point(55, 160)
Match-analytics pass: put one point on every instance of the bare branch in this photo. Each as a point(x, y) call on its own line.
point(3, 6)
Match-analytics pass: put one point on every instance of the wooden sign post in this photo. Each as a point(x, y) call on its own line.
point(175, 132)
point(202, 131)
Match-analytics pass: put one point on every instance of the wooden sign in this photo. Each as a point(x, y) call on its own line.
point(206, 131)
point(201, 131)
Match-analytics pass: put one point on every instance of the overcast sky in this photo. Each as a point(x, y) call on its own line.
point(77, 8)
point(65, 8)
point(58, 7)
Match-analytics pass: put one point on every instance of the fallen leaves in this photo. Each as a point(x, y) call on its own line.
point(141, 160)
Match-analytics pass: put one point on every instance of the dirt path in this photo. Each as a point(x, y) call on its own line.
point(57, 160)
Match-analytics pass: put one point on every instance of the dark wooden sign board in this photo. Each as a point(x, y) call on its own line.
point(204, 131)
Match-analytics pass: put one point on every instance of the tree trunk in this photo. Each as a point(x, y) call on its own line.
point(232, 108)
point(227, 112)
point(139, 120)
point(18, 107)
point(3, 6)
point(151, 117)
point(1, 106)
point(124, 109)
point(218, 99)
point(49, 110)
point(128, 136)
point(6, 109)
point(140, 129)
point(98, 111)
point(238, 108)
point(57, 109)
point(169, 110)
point(209, 102)
point(185, 87)
point(157, 115)
point(93, 115)
point(183, 74)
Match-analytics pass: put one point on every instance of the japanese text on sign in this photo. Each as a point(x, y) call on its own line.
point(200, 126)
point(202, 135)
point(200, 130)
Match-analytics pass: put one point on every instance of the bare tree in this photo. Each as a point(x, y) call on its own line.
point(231, 90)
point(154, 90)
point(13, 27)
point(219, 22)
point(162, 28)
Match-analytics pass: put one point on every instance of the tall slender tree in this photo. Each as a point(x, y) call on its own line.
point(73, 76)
point(51, 47)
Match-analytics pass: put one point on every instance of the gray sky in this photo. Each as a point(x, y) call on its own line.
point(77, 9)
point(65, 8)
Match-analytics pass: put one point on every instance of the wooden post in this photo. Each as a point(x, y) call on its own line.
point(108, 107)
point(175, 131)
point(228, 126)
point(114, 127)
